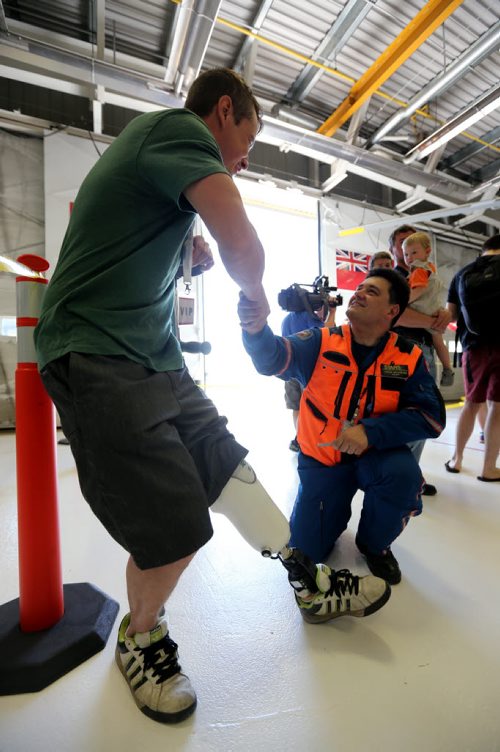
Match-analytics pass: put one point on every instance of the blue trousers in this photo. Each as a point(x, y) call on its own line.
point(391, 481)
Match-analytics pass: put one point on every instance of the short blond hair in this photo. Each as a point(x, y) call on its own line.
point(422, 238)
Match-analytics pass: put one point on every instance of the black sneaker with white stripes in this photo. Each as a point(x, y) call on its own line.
point(148, 661)
point(341, 593)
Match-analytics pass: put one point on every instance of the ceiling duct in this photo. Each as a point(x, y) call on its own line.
point(193, 26)
point(292, 115)
point(327, 149)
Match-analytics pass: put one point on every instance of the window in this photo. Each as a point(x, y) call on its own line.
point(8, 326)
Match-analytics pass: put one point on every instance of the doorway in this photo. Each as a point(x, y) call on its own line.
point(287, 224)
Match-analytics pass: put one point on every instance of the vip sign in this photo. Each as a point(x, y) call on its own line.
point(186, 311)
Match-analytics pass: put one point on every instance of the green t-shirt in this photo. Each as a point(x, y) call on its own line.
point(112, 291)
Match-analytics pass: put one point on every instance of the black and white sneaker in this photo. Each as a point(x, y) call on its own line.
point(341, 593)
point(148, 661)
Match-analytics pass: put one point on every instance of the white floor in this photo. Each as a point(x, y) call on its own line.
point(421, 674)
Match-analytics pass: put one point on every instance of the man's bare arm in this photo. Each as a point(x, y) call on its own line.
point(219, 204)
point(414, 319)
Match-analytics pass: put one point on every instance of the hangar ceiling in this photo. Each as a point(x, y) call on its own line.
point(405, 95)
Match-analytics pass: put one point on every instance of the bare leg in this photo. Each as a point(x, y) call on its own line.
point(491, 441)
point(441, 349)
point(481, 415)
point(465, 427)
point(148, 590)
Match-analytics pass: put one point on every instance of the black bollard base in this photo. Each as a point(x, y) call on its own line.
point(31, 661)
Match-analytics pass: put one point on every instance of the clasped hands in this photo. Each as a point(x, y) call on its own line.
point(253, 313)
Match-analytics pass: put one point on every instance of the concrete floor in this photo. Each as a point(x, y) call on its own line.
point(421, 674)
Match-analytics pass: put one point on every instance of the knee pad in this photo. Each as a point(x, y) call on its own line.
point(246, 503)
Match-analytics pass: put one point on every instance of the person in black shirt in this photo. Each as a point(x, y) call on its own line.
point(481, 369)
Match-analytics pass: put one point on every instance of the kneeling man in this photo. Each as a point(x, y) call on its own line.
point(367, 393)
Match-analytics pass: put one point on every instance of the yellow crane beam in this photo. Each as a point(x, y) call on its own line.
point(418, 30)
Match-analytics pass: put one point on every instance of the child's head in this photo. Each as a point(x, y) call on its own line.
point(381, 260)
point(416, 247)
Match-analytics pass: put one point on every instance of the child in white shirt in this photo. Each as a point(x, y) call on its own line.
point(426, 290)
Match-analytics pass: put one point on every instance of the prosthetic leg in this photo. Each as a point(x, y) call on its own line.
point(246, 503)
point(321, 594)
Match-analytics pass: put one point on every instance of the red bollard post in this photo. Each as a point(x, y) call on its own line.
point(41, 600)
point(51, 628)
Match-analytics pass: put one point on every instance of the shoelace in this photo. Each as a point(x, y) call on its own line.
point(161, 656)
point(343, 581)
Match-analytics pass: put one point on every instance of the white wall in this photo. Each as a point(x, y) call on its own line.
point(286, 223)
point(21, 231)
point(21, 206)
point(68, 159)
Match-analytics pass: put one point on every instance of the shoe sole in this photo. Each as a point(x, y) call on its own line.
point(321, 618)
point(155, 715)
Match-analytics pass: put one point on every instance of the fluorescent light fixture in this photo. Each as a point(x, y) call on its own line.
point(471, 57)
point(351, 231)
point(492, 183)
point(478, 110)
point(10, 266)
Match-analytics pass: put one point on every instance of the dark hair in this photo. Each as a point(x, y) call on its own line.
point(399, 289)
point(492, 244)
point(397, 231)
point(210, 86)
point(380, 255)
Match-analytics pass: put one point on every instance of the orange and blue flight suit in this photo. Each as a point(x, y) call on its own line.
point(389, 390)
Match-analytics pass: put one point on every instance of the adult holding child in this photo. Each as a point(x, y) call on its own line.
point(425, 293)
point(417, 326)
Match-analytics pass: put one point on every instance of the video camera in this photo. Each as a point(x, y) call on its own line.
point(296, 299)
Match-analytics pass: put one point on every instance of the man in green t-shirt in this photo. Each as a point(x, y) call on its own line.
point(152, 452)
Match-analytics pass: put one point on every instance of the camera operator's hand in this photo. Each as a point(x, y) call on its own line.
point(253, 313)
point(329, 311)
point(353, 440)
point(202, 255)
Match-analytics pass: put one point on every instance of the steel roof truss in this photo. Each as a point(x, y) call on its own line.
point(416, 32)
point(345, 24)
point(248, 42)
